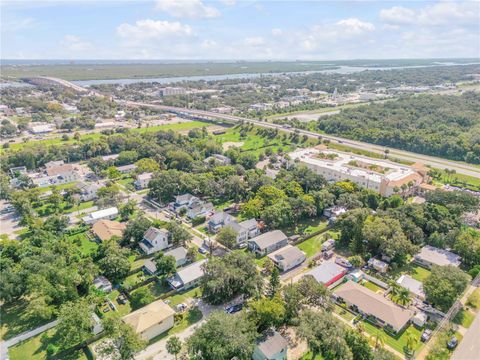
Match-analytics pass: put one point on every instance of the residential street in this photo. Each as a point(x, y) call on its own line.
point(4, 345)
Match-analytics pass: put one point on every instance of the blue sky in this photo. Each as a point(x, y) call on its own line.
point(234, 29)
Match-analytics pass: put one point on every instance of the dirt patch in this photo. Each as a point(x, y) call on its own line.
point(229, 144)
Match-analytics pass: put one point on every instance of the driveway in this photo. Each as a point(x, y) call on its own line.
point(157, 351)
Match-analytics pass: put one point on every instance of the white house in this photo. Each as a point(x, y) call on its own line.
point(429, 256)
point(271, 346)
point(200, 209)
point(185, 201)
point(155, 240)
point(87, 191)
point(109, 213)
point(219, 220)
point(269, 242)
point(143, 180)
point(188, 276)
point(245, 230)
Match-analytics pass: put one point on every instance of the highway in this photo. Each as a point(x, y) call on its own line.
point(459, 167)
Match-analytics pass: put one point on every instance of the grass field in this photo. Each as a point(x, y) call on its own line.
point(347, 315)
point(87, 247)
point(182, 297)
point(374, 287)
point(306, 226)
point(14, 319)
point(398, 343)
point(121, 309)
point(464, 317)
point(36, 349)
point(419, 273)
point(309, 356)
point(312, 246)
point(58, 141)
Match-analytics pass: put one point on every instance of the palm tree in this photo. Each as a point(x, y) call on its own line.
point(379, 340)
point(403, 297)
point(412, 341)
point(394, 288)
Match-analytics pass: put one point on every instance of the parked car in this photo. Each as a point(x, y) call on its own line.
point(328, 254)
point(452, 343)
point(122, 299)
point(426, 335)
point(343, 262)
point(181, 307)
point(202, 250)
point(234, 309)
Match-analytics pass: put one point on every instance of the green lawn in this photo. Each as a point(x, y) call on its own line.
point(182, 297)
point(308, 356)
point(464, 318)
point(306, 226)
point(86, 246)
point(419, 273)
point(58, 141)
point(193, 316)
point(313, 245)
point(399, 342)
point(14, 319)
point(36, 348)
point(134, 279)
point(261, 261)
point(347, 315)
point(121, 309)
point(81, 206)
point(374, 287)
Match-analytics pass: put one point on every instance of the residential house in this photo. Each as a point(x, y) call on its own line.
point(429, 256)
point(219, 220)
point(179, 253)
point(109, 214)
point(150, 267)
point(334, 212)
point(151, 320)
point(245, 230)
point(126, 169)
point(378, 265)
point(142, 181)
point(328, 274)
point(267, 243)
point(200, 209)
point(218, 159)
point(102, 283)
point(105, 229)
point(188, 277)
point(271, 346)
point(57, 175)
point(378, 308)
point(185, 201)
point(287, 257)
point(42, 129)
point(54, 163)
point(328, 245)
point(414, 286)
point(87, 191)
point(155, 240)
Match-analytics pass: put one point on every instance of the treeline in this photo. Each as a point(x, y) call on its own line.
point(438, 125)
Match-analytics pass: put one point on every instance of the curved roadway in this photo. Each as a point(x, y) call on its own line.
point(459, 167)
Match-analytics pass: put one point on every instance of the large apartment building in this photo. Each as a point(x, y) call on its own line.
point(383, 176)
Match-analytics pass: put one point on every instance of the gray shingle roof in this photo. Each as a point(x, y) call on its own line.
point(268, 239)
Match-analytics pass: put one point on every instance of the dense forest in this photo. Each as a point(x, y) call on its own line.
point(439, 125)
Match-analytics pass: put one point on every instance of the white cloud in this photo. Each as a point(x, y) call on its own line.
point(397, 15)
point(228, 2)
point(191, 9)
point(254, 41)
point(355, 26)
point(445, 13)
point(153, 29)
point(208, 44)
point(74, 43)
point(277, 32)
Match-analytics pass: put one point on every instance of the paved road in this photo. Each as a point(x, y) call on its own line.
point(469, 347)
point(459, 167)
point(4, 345)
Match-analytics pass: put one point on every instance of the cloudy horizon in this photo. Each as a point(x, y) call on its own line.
point(248, 30)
